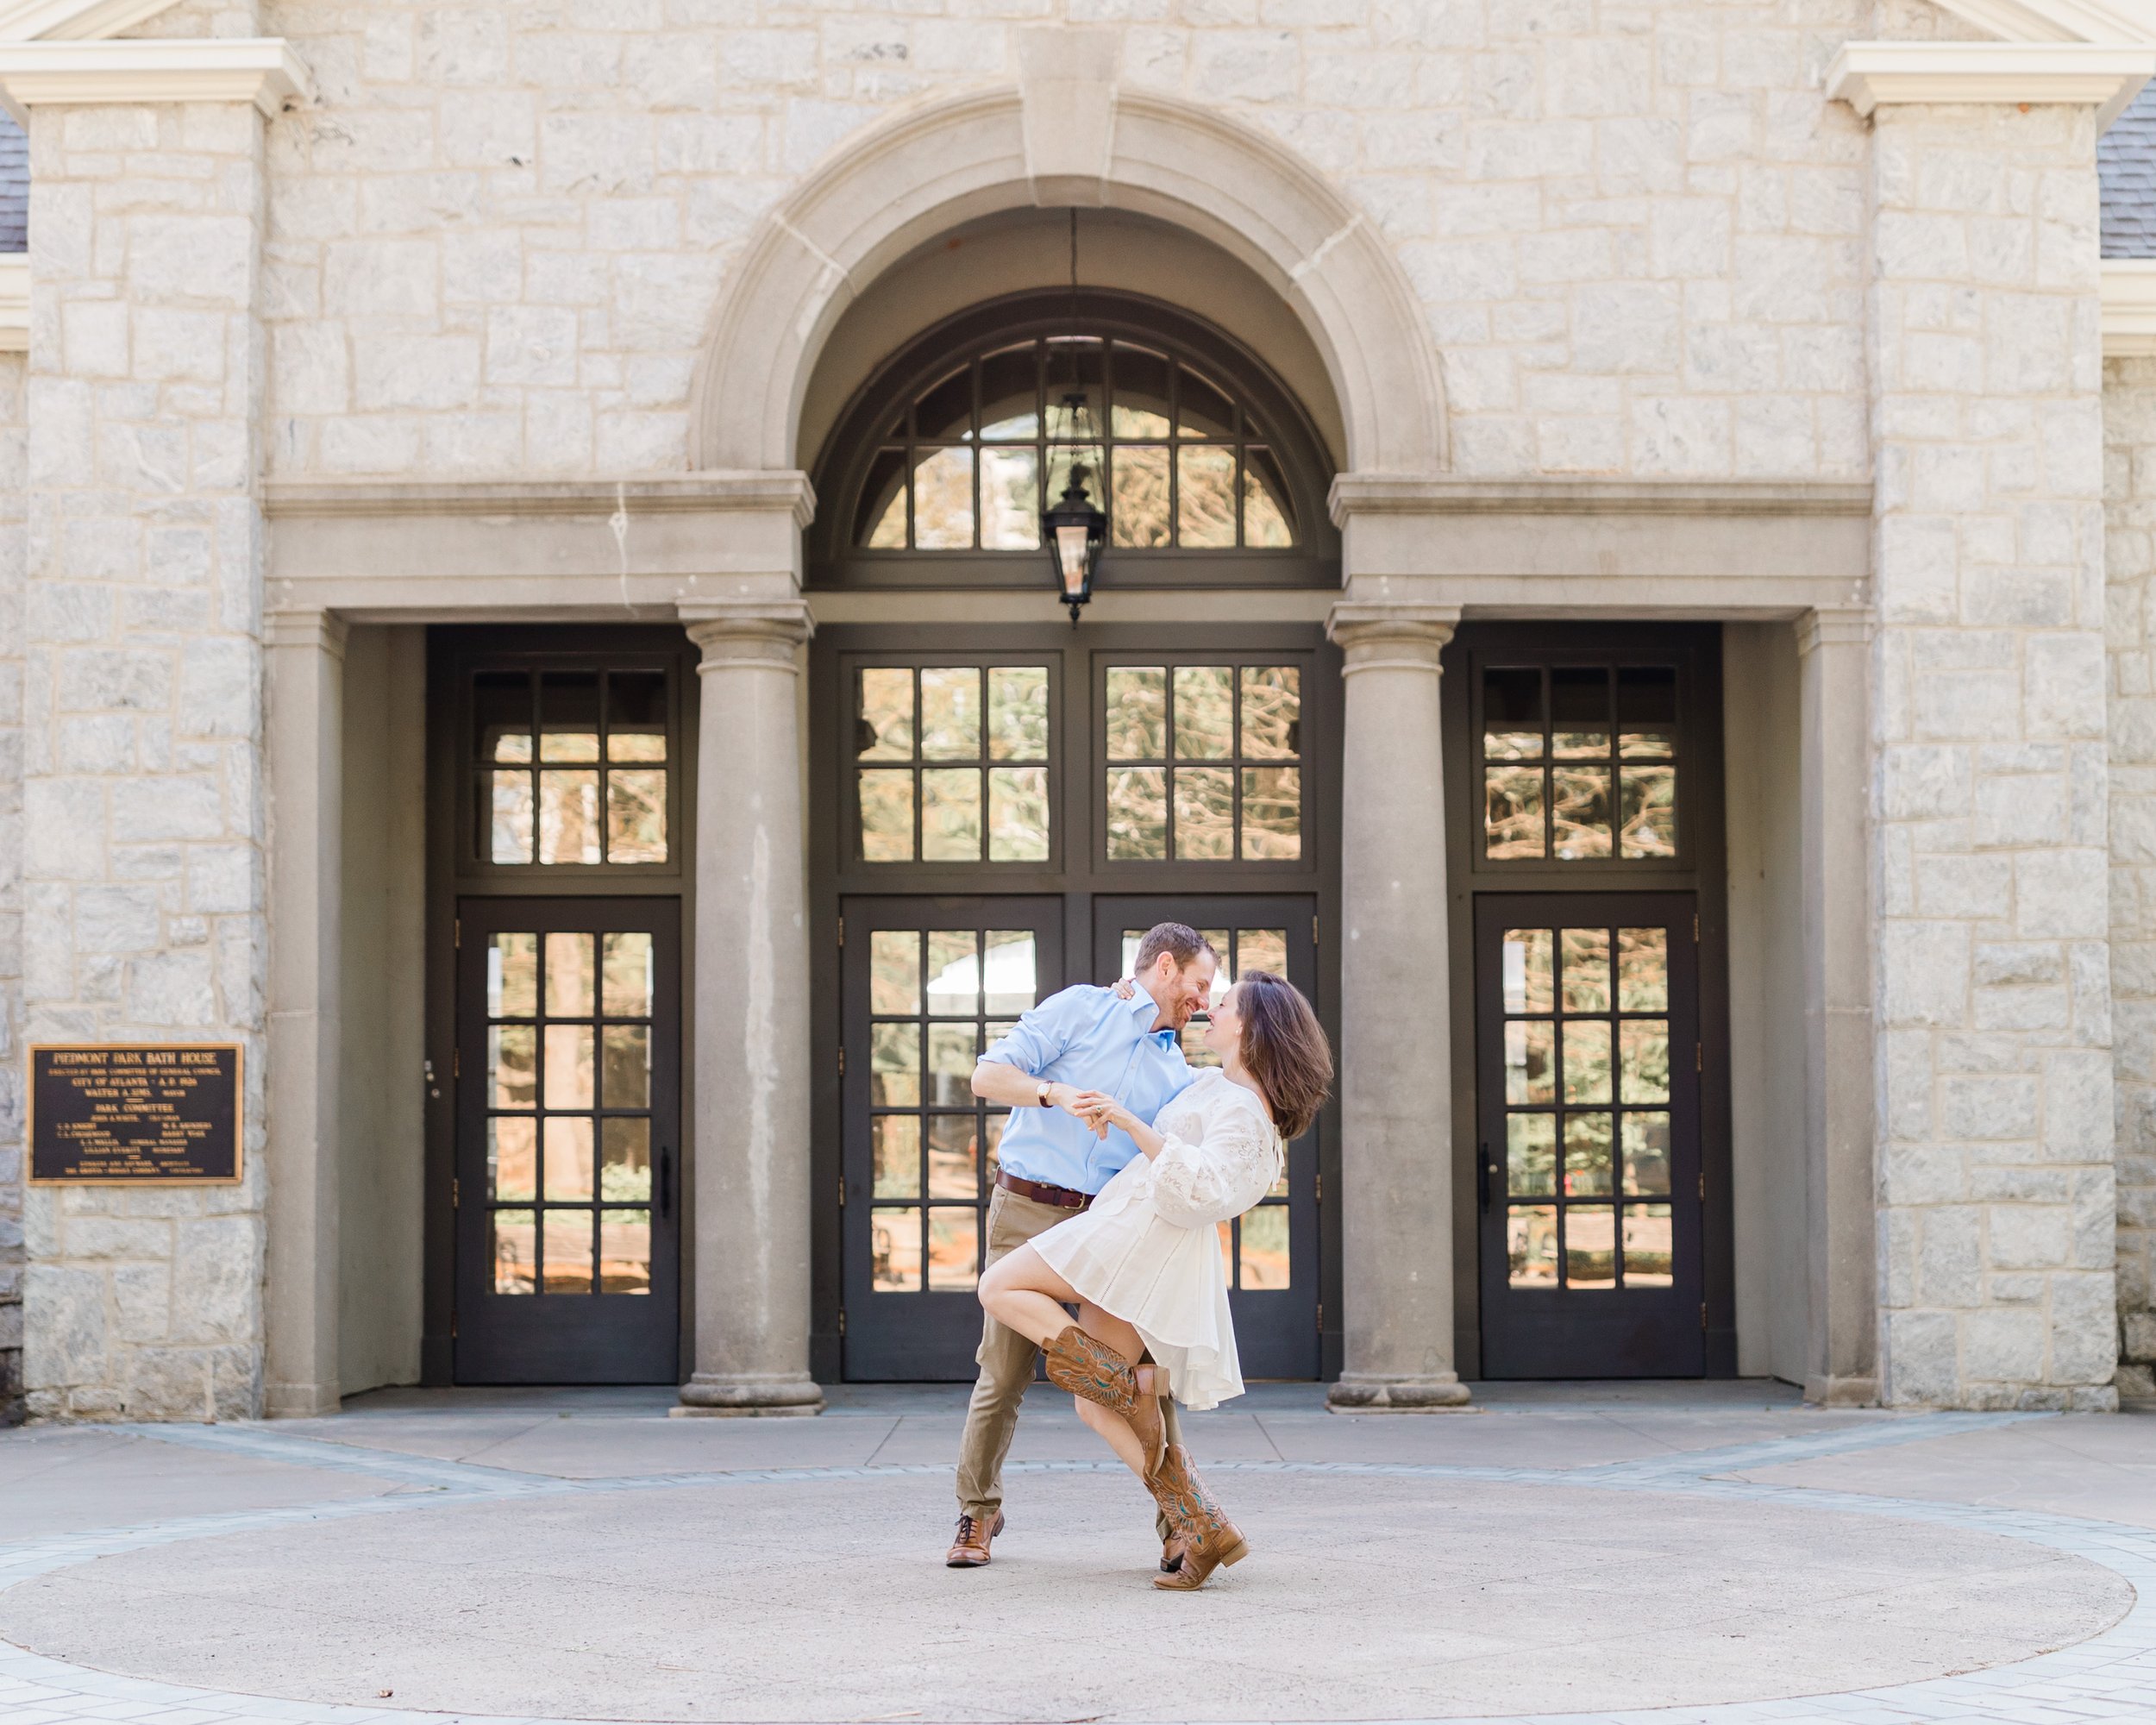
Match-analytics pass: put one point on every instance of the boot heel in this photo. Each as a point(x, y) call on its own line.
point(1242, 1550)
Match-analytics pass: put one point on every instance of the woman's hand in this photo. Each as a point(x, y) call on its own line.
point(1100, 1112)
point(1126, 990)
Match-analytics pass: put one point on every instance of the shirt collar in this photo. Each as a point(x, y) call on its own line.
point(1143, 1003)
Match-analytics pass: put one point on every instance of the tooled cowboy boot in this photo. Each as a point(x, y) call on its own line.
point(970, 1549)
point(1209, 1539)
point(1088, 1366)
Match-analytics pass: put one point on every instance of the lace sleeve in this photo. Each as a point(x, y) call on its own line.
point(1226, 1172)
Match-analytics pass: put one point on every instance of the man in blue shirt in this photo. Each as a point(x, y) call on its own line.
point(1050, 1164)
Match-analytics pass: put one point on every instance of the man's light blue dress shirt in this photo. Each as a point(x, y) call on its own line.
point(1086, 1038)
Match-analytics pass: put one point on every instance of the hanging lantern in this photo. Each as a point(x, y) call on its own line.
point(1074, 527)
point(1075, 531)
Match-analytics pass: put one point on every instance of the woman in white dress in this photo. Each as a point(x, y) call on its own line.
point(1142, 1263)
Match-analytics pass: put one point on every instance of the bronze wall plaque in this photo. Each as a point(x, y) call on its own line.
point(166, 1115)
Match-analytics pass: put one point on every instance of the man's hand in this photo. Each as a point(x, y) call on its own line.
point(1085, 1104)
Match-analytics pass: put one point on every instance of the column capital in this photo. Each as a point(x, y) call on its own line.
point(749, 632)
point(324, 630)
point(1832, 626)
point(1377, 637)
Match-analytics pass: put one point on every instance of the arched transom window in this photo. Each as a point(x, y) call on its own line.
point(981, 452)
point(1209, 472)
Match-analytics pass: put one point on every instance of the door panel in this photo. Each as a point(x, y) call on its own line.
point(1588, 1177)
point(568, 1114)
point(927, 984)
point(1271, 1254)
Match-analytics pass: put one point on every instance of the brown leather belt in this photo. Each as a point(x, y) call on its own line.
point(1061, 1197)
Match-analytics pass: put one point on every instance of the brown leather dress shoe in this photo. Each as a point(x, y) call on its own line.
point(970, 1549)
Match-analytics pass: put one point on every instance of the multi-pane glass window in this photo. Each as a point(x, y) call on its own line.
point(951, 764)
point(937, 998)
point(1586, 1159)
point(569, 1123)
point(1204, 763)
point(1580, 762)
point(572, 765)
point(972, 461)
point(1254, 1249)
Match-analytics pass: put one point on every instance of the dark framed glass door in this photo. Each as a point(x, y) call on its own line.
point(1588, 1183)
point(567, 1132)
point(926, 985)
point(1271, 1254)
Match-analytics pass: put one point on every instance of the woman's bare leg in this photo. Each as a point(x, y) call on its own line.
point(1023, 1293)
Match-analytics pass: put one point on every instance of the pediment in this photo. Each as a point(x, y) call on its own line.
point(2058, 21)
point(74, 21)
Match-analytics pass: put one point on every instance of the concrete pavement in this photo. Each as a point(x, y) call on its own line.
point(1717, 1550)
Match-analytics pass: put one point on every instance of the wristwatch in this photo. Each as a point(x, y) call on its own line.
point(1042, 1092)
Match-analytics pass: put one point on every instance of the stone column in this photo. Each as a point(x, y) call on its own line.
point(1841, 1339)
point(306, 786)
point(1396, 1036)
point(1991, 981)
point(751, 1140)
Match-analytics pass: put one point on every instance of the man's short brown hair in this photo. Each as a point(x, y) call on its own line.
point(1180, 938)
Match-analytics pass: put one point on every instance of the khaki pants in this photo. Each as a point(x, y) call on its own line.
point(1006, 1361)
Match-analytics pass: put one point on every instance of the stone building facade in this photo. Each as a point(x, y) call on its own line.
point(370, 346)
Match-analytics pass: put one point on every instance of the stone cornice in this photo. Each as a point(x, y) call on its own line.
point(2106, 75)
point(669, 494)
point(1413, 494)
point(2128, 289)
point(2050, 21)
point(262, 70)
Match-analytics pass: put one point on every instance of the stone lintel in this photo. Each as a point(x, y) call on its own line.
point(643, 494)
point(2106, 76)
point(1367, 493)
point(262, 70)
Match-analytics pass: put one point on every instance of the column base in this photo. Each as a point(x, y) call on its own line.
point(749, 1398)
point(1369, 1393)
point(1842, 1392)
point(301, 1400)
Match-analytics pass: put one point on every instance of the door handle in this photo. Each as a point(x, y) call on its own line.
point(1481, 1175)
point(666, 1181)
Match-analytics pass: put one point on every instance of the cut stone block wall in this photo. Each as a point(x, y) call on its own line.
point(1637, 236)
point(2129, 423)
point(1998, 1223)
point(143, 821)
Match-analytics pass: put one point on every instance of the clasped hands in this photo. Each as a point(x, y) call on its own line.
point(1099, 1110)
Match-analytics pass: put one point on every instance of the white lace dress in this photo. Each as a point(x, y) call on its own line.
point(1148, 1250)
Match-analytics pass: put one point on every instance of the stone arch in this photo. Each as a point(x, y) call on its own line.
point(1068, 137)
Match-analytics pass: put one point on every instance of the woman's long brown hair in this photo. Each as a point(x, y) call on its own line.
point(1284, 1049)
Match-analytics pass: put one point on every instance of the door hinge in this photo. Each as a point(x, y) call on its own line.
point(453, 1325)
point(841, 1060)
point(456, 1195)
point(457, 939)
point(842, 1320)
point(456, 1062)
point(1313, 929)
point(1320, 1317)
point(1699, 1057)
point(1702, 1316)
point(841, 931)
point(1696, 928)
point(842, 1191)
point(1702, 1185)
point(1320, 1191)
